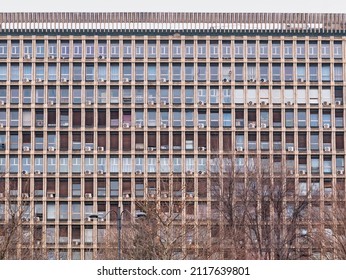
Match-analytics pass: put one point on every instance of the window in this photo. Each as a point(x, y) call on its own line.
point(14, 72)
point(313, 50)
point(214, 72)
point(301, 76)
point(300, 49)
point(64, 72)
point(139, 49)
point(176, 72)
point(152, 49)
point(77, 49)
point(77, 72)
point(288, 72)
point(325, 50)
point(176, 50)
point(3, 72)
point(276, 72)
point(226, 95)
point(89, 49)
point(89, 72)
point(114, 72)
point(15, 50)
point(164, 49)
point(276, 50)
point(3, 49)
point(263, 49)
point(102, 49)
point(337, 49)
point(314, 72)
point(325, 72)
point(238, 50)
point(139, 72)
point(65, 50)
point(51, 72)
point(338, 73)
point(289, 118)
point(189, 72)
point(313, 118)
point(214, 95)
point(151, 72)
point(114, 49)
point(251, 50)
point(201, 72)
point(288, 49)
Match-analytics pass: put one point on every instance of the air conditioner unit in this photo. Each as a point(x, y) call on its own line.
point(102, 80)
point(263, 125)
point(37, 172)
point(26, 149)
point(327, 149)
point(139, 172)
point(101, 219)
point(138, 125)
point(126, 80)
point(151, 103)
point(39, 80)
point(88, 172)
point(64, 80)
point(164, 80)
point(88, 102)
point(100, 148)
point(2, 102)
point(24, 172)
point(338, 102)
point(264, 80)
point(100, 172)
point(27, 56)
point(340, 172)
point(102, 57)
point(39, 123)
point(152, 195)
point(225, 80)
point(202, 149)
point(26, 80)
point(87, 149)
point(251, 80)
point(25, 195)
point(252, 125)
point(151, 149)
point(76, 243)
point(88, 195)
point(164, 195)
point(163, 125)
point(202, 172)
point(126, 195)
point(200, 103)
point(302, 172)
point(326, 125)
point(290, 149)
point(1, 125)
point(201, 125)
point(51, 103)
point(52, 57)
point(291, 172)
point(325, 103)
point(163, 102)
point(50, 195)
point(289, 103)
point(250, 103)
point(189, 172)
point(190, 195)
point(239, 149)
point(264, 103)
point(51, 148)
point(126, 125)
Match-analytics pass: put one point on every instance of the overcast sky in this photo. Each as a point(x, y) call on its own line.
point(336, 6)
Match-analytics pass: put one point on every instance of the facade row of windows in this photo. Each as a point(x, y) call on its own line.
point(188, 72)
point(165, 95)
point(174, 49)
point(164, 118)
point(163, 164)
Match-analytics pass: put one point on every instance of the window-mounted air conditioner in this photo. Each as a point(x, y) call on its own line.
point(326, 125)
point(64, 80)
point(202, 149)
point(37, 172)
point(101, 80)
point(39, 123)
point(24, 172)
point(100, 172)
point(291, 172)
point(302, 172)
point(50, 195)
point(225, 80)
point(338, 102)
point(201, 125)
point(163, 102)
point(239, 149)
point(251, 80)
point(164, 195)
point(87, 149)
point(151, 149)
point(289, 103)
point(252, 125)
point(190, 195)
point(300, 80)
point(88, 195)
point(163, 125)
point(51, 102)
point(164, 80)
point(290, 149)
point(126, 125)
point(126, 80)
point(51, 148)
point(2, 102)
point(189, 172)
point(25, 195)
point(202, 172)
point(52, 56)
point(26, 80)
point(102, 57)
point(26, 149)
point(39, 80)
point(151, 103)
point(201, 103)
point(88, 172)
point(27, 56)
point(264, 80)
point(250, 103)
point(340, 172)
point(326, 103)
point(100, 148)
point(126, 195)
point(263, 125)
point(264, 103)
point(327, 149)
point(88, 102)
point(139, 172)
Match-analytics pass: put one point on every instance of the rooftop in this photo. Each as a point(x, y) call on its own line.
point(146, 21)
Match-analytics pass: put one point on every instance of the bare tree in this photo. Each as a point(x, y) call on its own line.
point(20, 237)
point(264, 215)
